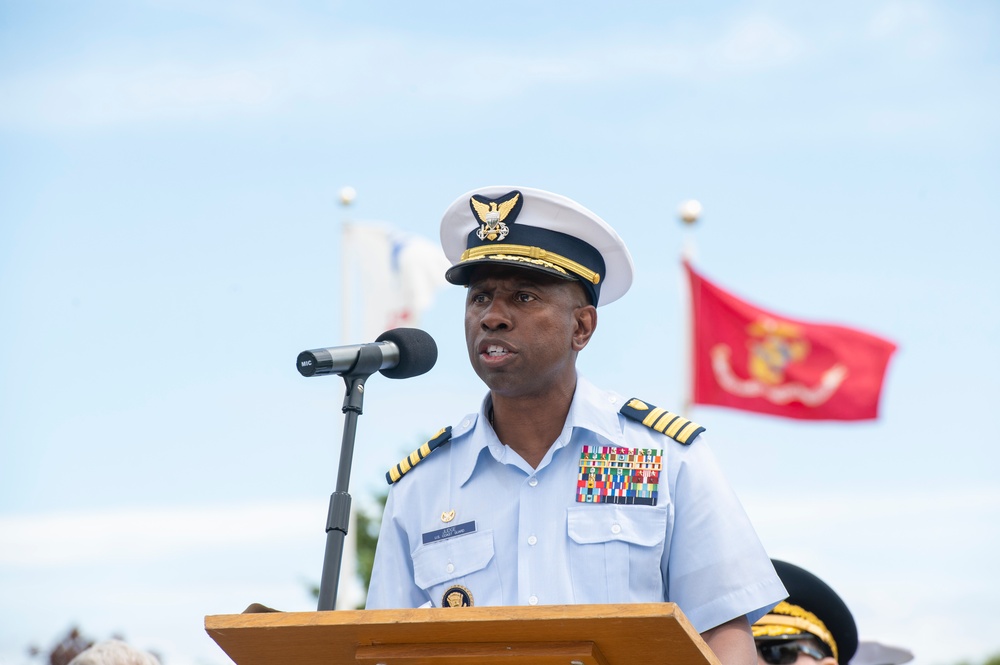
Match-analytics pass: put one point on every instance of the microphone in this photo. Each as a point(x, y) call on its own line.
point(405, 352)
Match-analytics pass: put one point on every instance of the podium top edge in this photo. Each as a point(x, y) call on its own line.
point(464, 614)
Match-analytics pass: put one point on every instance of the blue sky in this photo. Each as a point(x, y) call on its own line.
point(169, 242)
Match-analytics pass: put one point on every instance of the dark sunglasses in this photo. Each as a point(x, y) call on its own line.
point(786, 653)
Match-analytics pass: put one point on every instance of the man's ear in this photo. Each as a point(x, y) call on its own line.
point(586, 323)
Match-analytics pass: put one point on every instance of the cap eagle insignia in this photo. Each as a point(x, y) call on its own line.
point(492, 213)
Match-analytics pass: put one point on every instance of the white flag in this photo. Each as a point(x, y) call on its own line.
point(396, 275)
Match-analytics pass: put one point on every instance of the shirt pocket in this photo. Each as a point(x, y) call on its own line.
point(466, 560)
point(615, 552)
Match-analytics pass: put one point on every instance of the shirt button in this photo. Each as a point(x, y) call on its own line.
point(532, 481)
point(532, 540)
point(466, 423)
point(615, 528)
point(533, 600)
point(450, 568)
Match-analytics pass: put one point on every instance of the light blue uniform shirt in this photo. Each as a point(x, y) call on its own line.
point(520, 537)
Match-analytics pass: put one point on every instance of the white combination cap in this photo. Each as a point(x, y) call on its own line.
point(537, 230)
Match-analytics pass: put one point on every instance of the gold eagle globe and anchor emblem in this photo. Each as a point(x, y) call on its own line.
point(492, 214)
point(772, 347)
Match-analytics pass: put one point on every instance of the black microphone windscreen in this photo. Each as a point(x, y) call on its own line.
point(417, 352)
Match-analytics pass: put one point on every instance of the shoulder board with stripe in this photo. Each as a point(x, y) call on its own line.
point(677, 428)
point(410, 461)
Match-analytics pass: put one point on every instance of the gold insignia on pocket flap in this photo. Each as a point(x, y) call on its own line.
point(456, 596)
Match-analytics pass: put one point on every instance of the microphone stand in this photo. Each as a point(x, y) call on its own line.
point(337, 518)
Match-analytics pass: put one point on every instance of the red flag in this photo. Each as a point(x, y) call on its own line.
point(751, 359)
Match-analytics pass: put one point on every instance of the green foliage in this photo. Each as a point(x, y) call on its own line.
point(991, 660)
point(367, 527)
point(367, 537)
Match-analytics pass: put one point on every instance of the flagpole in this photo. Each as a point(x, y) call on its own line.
point(689, 212)
point(348, 593)
point(347, 196)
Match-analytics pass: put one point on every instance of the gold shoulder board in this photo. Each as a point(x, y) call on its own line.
point(410, 461)
point(677, 428)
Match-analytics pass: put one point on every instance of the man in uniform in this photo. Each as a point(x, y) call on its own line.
point(557, 492)
point(813, 625)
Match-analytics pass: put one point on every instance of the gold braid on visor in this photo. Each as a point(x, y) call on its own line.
point(788, 619)
point(533, 255)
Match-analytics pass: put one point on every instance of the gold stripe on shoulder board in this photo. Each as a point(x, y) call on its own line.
point(678, 428)
point(411, 460)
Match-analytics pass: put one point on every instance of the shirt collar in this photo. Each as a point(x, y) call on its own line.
point(597, 411)
point(592, 409)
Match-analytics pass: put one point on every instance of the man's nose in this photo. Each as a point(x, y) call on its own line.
point(497, 316)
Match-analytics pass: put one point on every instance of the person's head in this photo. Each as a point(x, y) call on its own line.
point(800, 650)
point(813, 625)
point(536, 265)
point(114, 652)
point(524, 329)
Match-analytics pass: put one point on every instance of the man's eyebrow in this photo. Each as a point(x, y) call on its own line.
point(526, 279)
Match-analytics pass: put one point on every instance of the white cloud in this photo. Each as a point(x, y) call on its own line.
point(756, 43)
point(370, 70)
point(138, 535)
point(909, 26)
point(99, 95)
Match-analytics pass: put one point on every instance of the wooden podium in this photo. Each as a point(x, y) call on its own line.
point(631, 634)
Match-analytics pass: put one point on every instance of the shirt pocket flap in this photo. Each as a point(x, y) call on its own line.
point(644, 526)
point(452, 558)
